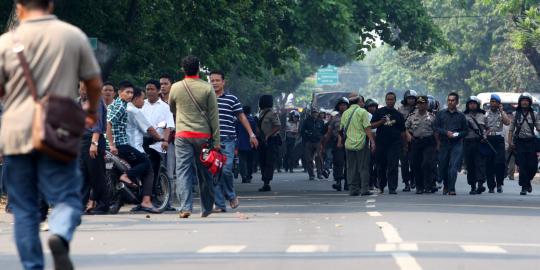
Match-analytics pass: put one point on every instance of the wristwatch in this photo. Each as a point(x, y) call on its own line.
point(95, 143)
point(253, 135)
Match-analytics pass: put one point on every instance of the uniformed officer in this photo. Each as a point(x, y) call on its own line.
point(495, 161)
point(371, 107)
point(424, 142)
point(473, 151)
point(521, 138)
point(407, 107)
point(333, 140)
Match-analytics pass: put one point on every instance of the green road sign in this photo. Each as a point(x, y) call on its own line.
point(93, 42)
point(328, 76)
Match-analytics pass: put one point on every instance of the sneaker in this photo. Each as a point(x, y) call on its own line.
point(60, 252)
point(499, 189)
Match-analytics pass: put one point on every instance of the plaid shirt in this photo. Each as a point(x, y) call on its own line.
point(118, 117)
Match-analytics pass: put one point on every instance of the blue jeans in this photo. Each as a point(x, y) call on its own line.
point(450, 159)
point(224, 190)
point(28, 176)
point(188, 168)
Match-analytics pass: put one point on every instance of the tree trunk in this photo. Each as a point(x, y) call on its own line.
point(534, 58)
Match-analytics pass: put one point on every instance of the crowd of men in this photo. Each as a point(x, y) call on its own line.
point(368, 143)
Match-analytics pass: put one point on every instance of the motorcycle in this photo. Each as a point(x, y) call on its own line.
point(120, 193)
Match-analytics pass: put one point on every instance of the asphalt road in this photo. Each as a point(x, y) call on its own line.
point(305, 225)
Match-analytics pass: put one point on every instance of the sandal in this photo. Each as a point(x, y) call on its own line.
point(128, 183)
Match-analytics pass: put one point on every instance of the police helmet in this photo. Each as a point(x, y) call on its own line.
point(474, 99)
point(410, 93)
point(525, 95)
point(342, 100)
point(294, 113)
point(371, 102)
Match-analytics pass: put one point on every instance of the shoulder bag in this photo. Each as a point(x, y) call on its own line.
point(58, 122)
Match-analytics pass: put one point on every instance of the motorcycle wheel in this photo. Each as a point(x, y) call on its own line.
point(114, 195)
point(162, 192)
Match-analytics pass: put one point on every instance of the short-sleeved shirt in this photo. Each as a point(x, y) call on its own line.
point(137, 127)
point(157, 113)
point(356, 134)
point(391, 130)
point(526, 123)
point(268, 121)
point(406, 111)
point(474, 128)
point(420, 125)
point(118, 117)
point(494, 122)
point(229, 107)
point(59, 56)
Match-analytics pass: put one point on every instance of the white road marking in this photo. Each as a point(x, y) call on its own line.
point(222, 249)
point(307, 248)
point(371, 201)
point(115, 252)
point(533, 245)
point(406, 262)
point(390, 247)
point(390, 233)
point(370, 206)
point(483, 249)
point(374, 214)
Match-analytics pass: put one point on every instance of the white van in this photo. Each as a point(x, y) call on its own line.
point(508, 100)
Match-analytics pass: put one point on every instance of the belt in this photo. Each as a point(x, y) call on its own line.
point(495, 133)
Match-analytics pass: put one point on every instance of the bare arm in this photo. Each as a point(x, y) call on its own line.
point(505, 118)
point(114, 151)
point(378, 123)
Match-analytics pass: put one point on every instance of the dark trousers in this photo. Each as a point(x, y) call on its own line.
point(373, 181)
point(267, 154)
point(450, 159)
point(338, 161)
point(140, 167)
point(93, 171)
point(475, 162)
point(246, 164)
point(407, 169)
point(289, 162)
point(496, 162)
point(310, 153)
point(358, 169)
point(527, 161)
point(387, 163)
point(423, 161)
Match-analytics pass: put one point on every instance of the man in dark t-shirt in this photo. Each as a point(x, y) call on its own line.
point(390, 126)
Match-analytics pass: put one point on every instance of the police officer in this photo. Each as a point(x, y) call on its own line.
point(408, 105)
point(424, 141)
point(333, 140)
point(495, 161)
point(473, 149)
point(521, 138)
point(312, 132)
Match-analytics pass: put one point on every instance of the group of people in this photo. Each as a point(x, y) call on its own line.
point(368, 144)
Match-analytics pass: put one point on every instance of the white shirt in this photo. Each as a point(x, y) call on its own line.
point(157, 113)
point(137, 126)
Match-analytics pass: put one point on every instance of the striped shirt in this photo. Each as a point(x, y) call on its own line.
point(229, 107)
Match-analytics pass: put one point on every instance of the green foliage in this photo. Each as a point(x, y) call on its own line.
point(265, 46)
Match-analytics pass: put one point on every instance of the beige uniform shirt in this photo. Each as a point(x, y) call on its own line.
point(420, 125)
point(480, 119)
point(526, 123)
point(269, 121)
point(59, 56)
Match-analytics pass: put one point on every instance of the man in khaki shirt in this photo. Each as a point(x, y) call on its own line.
point(59, 56)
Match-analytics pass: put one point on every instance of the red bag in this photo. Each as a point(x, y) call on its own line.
point(213, 160)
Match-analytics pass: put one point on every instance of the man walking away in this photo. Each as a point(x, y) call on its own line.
point(194, 129)
point(229, 107)
point(473, 149)
point(452, 128)
point(292, 126)
point(59, 58)
point(312, 132)
point(334, 141)
point(390, 137)
point(521, 138)
point(269, 127)
point(371, 107)
point(496, 119)
point(245, 152)
point(424, 141)
point(356, 127)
